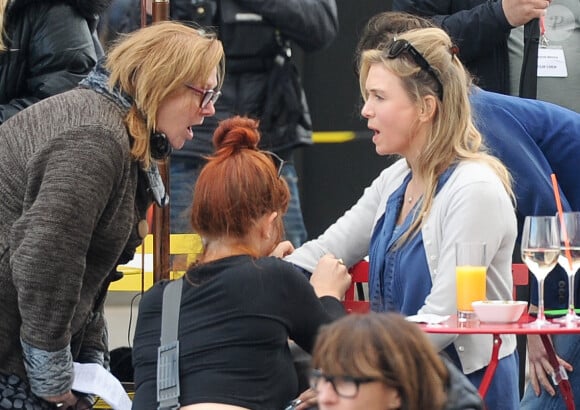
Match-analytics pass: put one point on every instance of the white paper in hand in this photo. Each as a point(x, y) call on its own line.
point(95, 379)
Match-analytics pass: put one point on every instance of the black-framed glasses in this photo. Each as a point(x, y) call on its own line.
point(207, 96)
point(344, 386)
point(278, 162)
point(399, 47)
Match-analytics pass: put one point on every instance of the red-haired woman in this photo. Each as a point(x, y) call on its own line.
point(240, 303)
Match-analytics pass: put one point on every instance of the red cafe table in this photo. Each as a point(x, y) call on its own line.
point(452, 325)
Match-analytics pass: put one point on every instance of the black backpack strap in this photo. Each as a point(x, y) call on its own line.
point(168, 352)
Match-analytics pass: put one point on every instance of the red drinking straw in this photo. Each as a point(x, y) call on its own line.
point(561, 216)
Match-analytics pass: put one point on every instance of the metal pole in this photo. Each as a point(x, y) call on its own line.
point(160, 10)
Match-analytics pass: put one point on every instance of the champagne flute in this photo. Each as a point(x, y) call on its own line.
point(569, 257)
point(540, 251)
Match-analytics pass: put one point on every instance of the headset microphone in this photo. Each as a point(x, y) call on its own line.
point(159, 146)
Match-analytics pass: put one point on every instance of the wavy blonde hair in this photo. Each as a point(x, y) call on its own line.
point(154, 61)
point(453, 136)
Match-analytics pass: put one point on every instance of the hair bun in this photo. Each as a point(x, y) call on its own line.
point(236, 133)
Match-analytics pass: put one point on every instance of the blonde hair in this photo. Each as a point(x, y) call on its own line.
point(154, 61)
point(3, 7)
point(387, 347)
point(453, 136)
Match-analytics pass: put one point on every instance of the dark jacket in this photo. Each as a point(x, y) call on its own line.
point(461, 394)
point(479, 28)
point(51, 47)
point(248, 29)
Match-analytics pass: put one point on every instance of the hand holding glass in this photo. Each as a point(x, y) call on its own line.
point(470, 271)
point(540, 250)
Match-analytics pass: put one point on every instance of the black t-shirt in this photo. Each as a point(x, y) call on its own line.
point(234, 326)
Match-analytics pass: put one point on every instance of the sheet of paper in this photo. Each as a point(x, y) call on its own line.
point(428, 318)
point(95, 379)
point(137, 263)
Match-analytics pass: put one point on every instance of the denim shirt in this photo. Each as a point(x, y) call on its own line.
point(399, 277)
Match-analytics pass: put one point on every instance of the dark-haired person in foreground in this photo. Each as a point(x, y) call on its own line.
point(381, 361)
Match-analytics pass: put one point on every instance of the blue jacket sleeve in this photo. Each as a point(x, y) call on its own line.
point(475, 26)
point(534, 139)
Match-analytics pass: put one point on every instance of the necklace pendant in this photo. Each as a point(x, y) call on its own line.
point(410, 199)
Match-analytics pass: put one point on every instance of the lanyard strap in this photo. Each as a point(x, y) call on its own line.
point(529, 74)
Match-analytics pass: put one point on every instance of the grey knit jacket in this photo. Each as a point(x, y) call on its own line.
point(67, 213)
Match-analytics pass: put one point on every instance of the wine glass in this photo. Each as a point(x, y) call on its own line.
point(540, 251)
point(569, 257)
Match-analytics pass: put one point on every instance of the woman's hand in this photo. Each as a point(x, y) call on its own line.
point(330, 278)
point(540, 368)
point(69, 401)
point(283, 249)
point(64, 401)
point(308, 399)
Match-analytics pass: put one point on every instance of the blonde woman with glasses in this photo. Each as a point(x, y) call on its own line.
point(77, 174)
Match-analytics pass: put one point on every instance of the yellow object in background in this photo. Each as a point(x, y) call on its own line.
point(138, 273)
point(470, 286)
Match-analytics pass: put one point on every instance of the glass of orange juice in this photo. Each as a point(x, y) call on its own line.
point(470, 271)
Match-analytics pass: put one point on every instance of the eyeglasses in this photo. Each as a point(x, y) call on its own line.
point(344, 386)
point(401, 46)
point(208, 96)
point(278, 162)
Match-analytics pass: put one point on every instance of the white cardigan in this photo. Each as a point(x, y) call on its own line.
point(471, 206)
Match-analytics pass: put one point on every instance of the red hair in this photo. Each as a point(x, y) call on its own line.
point(238, 185)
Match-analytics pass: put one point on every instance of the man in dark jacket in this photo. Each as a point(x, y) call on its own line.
point(259, 82)
point(48, 47)
point(481, 29)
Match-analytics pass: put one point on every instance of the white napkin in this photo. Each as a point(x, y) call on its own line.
point(93, 378)
point(429, 318)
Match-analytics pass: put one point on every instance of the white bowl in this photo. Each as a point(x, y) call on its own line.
point(499, 311)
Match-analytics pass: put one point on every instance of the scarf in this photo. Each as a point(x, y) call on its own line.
point(98, 81)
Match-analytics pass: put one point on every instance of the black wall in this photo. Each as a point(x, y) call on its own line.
point(328, 76)
point(333, 176)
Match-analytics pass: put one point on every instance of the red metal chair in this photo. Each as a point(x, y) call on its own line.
point(520, 276)
point(360, 275)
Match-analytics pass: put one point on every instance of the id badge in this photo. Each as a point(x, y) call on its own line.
point(552, 62)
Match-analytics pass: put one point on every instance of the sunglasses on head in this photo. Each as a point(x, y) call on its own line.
point(399, 47)
point(278, 162)
point(207, 96)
